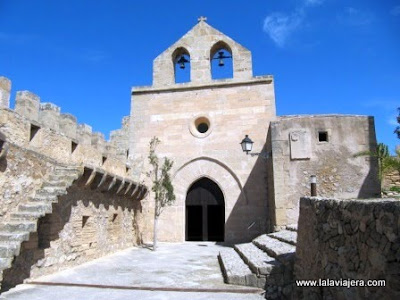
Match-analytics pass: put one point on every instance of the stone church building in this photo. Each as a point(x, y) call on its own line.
point(68, 196)
point(222, 193)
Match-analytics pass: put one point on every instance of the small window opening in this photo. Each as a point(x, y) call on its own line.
point(73, 146)
point(104, 159)
point(84, 220)
point(34, 130)
point(202, 127)
point(114, 217)
point(221, 64)
point(127, 153)
point(127, 169)
point(323, 136)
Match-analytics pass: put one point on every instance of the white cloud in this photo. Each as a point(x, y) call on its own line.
point(280, 26)
point(395, 11)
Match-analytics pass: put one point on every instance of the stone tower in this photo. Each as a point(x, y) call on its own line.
point(221, 192)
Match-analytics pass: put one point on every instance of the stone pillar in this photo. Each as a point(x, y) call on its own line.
point(49, 115)
point(5, 89)
point(84, 134)
point(68, 125)
point(27, 105)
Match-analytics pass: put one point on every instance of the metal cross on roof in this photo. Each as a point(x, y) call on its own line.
point(202, 19)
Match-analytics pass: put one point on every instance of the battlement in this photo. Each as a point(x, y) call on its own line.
point(41, 126)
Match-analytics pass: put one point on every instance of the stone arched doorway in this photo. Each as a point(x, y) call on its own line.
point(205, 211)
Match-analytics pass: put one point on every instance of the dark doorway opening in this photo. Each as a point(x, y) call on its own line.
point(205, 212)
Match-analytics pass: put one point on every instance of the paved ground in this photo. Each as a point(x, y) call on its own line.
point(175, 271)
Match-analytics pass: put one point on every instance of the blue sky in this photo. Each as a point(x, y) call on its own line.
point(327, 56)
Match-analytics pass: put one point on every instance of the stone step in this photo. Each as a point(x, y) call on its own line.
point(292, 227)
point(38, 207)
point(55, 183)
point(14, 236)
point(19, 226)
point(287, 236)
point(44, 198)
point(258, 261)
point(27, 215)
point(50, 191)
point(66, 171)
point(9, 249)
point(234, 269)
point(284, 252)
point(5, 262)
point(66, 177)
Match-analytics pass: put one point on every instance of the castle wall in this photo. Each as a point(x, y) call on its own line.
point(232, 110)
point(95, 217)
point(83, 226)
point(348, 239)
point(298, 153)
point(42, 127)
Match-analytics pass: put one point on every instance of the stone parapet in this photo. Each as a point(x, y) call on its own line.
point(43, 128)
point(348, 239)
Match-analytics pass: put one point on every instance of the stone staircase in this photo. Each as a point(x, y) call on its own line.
point(24, 220)
point(267, 263)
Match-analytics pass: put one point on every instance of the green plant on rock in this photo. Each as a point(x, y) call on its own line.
point(161, 184)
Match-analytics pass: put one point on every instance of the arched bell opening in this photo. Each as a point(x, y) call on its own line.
point(205, 212)
point(181, 61)
point(221, 61)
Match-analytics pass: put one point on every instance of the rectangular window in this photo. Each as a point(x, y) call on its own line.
point(323, 136)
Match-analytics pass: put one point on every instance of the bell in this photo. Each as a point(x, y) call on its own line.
point(182, 60)
point(221, 57)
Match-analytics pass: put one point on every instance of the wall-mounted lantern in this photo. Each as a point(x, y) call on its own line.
point(247, 146)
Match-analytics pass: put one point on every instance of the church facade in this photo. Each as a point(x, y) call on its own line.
point(223, 193)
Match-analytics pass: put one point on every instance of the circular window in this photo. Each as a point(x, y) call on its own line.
point(200, 127)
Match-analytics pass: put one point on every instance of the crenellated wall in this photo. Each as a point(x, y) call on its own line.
point(42, 127)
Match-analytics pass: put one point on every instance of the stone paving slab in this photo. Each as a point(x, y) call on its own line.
point(173, 265)
point(287, 236)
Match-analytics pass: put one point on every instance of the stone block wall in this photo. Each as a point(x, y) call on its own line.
point(349, 239)
point(321, 145)
point(85, 224)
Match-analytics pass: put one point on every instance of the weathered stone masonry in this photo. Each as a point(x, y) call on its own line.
point(67, 194)
point(349, 239)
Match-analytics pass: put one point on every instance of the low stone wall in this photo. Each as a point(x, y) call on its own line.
point(349, 239)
